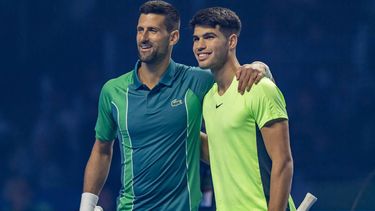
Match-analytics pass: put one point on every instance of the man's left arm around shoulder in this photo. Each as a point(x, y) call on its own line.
point(276, 139)
point(248, 74)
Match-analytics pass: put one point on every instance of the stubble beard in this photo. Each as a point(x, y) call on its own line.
point(155, 56)
point(147, 58)
point(216, 63)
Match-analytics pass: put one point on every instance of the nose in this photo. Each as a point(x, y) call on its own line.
point(200, 45)
point(144, 36)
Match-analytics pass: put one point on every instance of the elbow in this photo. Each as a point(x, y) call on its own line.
point(288, 164)
point(284, 166)
point(288, 169)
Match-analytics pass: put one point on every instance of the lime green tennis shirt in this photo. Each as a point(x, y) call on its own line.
point(239, 161)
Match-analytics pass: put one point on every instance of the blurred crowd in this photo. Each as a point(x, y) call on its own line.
point(56, 55)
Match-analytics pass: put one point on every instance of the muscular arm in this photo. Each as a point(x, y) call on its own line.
point(205, 156)
point(276, 138)
point(97, 167)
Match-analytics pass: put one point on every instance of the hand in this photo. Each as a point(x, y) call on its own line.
point(249, 74)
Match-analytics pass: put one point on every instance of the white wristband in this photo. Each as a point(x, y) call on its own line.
point(98, 208)
point(88, 201)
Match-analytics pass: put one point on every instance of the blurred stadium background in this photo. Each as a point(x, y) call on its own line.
point(56, 55)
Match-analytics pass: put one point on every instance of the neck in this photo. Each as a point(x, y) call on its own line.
point(224, 75)
point(151, 73)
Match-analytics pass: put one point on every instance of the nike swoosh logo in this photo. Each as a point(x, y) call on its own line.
point(217, 106)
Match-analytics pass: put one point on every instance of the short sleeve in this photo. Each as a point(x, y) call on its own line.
point(266, 102)
point(105, 127)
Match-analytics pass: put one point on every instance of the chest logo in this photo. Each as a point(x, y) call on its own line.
point(217, 106)
point(176, 102)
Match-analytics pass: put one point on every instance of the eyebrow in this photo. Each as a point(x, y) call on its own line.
point(209, 33)
point(206, 34)
point(148, 27)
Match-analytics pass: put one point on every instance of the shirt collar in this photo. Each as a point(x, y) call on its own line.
point(166, 79)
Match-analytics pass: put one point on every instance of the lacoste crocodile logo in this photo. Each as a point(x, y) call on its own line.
point(176, 102)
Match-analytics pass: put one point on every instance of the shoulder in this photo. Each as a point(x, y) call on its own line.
point(191, 71)
point(121, 82)
point(265, 93)
point(264, 87)
point(210, 94)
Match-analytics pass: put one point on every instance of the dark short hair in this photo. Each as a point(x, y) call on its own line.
point(172, 17)
point(228, 20)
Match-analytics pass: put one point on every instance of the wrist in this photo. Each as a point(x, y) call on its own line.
point(88, 201)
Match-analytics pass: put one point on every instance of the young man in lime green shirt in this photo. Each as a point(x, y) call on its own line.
point(248, 173)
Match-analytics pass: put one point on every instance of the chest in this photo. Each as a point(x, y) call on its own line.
point(150, 115)
point(227, 113)
point(149, 110)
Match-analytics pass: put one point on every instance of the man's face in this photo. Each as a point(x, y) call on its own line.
point(152, 38)
point(210, 47)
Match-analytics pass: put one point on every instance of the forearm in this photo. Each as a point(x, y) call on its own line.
point(205, 157)
point(97, 169)
point(281, 180)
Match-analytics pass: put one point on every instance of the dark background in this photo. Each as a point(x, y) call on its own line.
point(56, 55)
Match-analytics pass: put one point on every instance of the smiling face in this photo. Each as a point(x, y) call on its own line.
point(210, 47)
point(153, 40)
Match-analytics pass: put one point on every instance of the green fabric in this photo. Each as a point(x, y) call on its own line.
point(231, 121)
point(158, 133)
point(193, 109)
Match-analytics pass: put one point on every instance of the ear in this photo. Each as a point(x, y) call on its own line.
point(175, 36)
point(233, 39)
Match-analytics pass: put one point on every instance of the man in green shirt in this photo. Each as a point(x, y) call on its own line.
point(248, 173)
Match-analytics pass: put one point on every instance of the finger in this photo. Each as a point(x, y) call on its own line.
point(259, 76)
point(238, 73)
point(243, 80)
point(251, 81)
